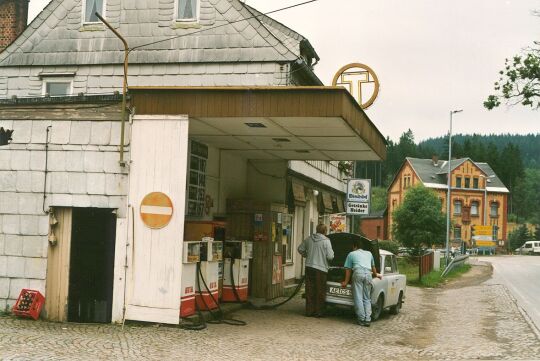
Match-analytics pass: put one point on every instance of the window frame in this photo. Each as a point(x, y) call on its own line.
point(103, 13)
point(467, 182)
point(475, 183)
point(460, 202)
point(477, 205)
point(57, 80)
point(496, 205)
point(457, 232)
point(191, 20)
point(201, 174)
point(458, 182)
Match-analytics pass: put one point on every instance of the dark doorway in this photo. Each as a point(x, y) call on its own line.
point(91, 265)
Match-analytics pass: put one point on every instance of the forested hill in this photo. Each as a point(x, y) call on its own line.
point(476, 146)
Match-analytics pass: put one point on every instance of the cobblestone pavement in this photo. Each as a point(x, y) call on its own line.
point(478, 322)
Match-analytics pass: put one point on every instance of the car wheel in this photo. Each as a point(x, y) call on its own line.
point(396, 308)
point(377, 308)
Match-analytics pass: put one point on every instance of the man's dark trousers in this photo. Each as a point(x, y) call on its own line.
point(315, 292)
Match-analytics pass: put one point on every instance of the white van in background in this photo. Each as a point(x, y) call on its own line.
point(530, 247)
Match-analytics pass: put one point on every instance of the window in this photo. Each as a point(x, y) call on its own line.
point(467, 182)
point(457, 232)
point(187, 10)
point(458, 182)
point(457, 207)
point(389, 266)
point(197, 179)
point(474, 208)
point(494, 210)
point(475, 183)
point(90, 9)
point(287, 237)
point(57, 88)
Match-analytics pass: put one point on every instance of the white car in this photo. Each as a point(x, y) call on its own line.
point(387, 293)
point(529, 247)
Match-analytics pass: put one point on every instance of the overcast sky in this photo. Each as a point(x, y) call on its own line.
point(431, 56)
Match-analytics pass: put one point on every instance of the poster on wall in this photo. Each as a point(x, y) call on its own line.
point(276, 270)
point(338, 223)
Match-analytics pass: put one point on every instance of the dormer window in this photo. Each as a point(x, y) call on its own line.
point(187, 10)
point(90, 8)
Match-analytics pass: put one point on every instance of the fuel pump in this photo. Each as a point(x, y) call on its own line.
point(236, 270)
point(207, 287)
point(191, 255)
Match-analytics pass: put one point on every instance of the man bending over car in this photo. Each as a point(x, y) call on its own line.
point(362, 265)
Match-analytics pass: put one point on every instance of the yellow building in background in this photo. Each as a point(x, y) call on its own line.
point(478, 196)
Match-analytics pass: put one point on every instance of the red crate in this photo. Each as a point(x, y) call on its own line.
point(29, 304)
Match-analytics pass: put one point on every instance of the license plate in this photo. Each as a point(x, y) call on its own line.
point(339, 291)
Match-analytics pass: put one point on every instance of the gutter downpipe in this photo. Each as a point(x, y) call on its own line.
point(124, 87)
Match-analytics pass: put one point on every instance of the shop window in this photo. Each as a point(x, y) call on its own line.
point(474, 208)
point(475, 183)
point(197, 179)
point(457, 207)
point(287, 240)
point(457, 232)
point(467, 182)
point(187, 10)
point(458, 182)
point(90, 9)
point(494, 210)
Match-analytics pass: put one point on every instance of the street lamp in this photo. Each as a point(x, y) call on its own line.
point(485, 195)
point(452, 112)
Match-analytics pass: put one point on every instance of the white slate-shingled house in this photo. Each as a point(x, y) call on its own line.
point(264, 137)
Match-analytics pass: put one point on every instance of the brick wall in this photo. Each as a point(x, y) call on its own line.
point(13, 18)
point(83, 171)
point(374, 228)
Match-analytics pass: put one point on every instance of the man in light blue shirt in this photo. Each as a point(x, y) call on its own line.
point(362, 266)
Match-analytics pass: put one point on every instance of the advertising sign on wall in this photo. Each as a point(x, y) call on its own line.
point(358, 196)
point(338, 223)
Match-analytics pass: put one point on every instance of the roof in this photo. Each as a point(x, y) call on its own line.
point(434, 176)
point(227, 31)
point(294, 123)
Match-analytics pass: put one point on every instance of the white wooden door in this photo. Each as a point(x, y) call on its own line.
point(159, 164)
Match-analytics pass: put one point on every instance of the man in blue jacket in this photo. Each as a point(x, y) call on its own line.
point(318, 252)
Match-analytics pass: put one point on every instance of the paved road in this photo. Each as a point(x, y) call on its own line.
point(521, 275)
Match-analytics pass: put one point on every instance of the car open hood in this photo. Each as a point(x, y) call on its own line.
point(342, 245)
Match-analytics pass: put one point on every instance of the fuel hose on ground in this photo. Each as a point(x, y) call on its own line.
point(218, 317)
point(201, 324)
point(252, 306)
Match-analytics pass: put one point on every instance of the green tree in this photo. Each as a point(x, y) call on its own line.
point(519, 81)
point(518, 237)
point(378, 199)
point(527, 197)
point(419, 222)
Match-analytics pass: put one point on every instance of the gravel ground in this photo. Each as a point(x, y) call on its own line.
point(460, 321)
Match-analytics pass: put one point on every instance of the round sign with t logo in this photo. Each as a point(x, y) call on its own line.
point(361, 81)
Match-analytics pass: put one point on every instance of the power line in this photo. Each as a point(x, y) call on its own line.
point(222, 25)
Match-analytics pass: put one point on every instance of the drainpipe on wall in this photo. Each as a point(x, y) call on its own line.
point(124, 87)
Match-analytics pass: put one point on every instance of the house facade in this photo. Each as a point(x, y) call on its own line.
point(478, 196)
point(251, 130)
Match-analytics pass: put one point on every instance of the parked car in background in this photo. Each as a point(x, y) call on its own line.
point(530, 247)
point(386, 293)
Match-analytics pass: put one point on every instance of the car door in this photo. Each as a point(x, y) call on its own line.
point(390, 273)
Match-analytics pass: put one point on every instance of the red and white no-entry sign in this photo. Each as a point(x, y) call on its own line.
point(156, 210)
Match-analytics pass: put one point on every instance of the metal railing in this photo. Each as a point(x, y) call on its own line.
point(455, 262)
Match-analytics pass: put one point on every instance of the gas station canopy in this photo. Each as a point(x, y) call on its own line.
point(288, 123)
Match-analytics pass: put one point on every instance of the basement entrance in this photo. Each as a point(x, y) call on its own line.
point(91, 265)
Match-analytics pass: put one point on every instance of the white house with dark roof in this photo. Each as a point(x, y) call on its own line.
point(218, 110)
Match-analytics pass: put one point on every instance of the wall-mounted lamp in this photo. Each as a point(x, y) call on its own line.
point(315, 192)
